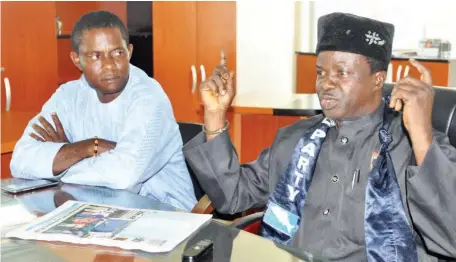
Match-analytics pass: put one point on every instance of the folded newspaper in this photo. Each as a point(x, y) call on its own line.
point(127, 228)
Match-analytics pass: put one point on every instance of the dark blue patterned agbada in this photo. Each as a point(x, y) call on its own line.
point(388, 234)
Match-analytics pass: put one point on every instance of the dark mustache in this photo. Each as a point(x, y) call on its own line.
point(109, 77)
point(327, 96)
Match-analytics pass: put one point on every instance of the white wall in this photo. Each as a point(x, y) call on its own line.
point(269, 33)
point(413, 19)
point(265, 46)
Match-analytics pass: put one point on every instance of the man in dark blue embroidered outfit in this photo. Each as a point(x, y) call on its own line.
point(368, 180)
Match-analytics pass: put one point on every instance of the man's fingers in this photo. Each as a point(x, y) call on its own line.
point(112, 145)
point(425, 73)
point(41, 132)
point(395, 103)
point(58, 124)
point(222, 58)
point(37, 138)
point(218, 81)
point(393, 99)
point(221, 71)
point(409, 83)
point(414, 84)
point(48, 127)
point(220, 85)
point(230, 85)
point(398, 105)
point(400, 96)
point(212, 86)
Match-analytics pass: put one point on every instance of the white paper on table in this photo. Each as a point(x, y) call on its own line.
point(128, 228)
point(12, 215)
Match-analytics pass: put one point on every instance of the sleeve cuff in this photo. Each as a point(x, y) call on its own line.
point(199, 143)
point(46, 161)
point(422, 178)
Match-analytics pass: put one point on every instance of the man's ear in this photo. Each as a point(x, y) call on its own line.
point(379, 79)
point(130, 51)
point(76, 60)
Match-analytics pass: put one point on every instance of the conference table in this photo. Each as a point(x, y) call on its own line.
point(230, 244)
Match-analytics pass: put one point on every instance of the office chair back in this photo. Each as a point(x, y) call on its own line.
point(189, 131)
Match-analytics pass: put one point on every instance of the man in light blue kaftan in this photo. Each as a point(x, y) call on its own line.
point(115, 126)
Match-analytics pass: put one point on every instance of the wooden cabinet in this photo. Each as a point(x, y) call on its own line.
point(70, 11)
point(174, 49)
point(66, 69)
point(28, 44)
point(13, 124)
point(258, 133)
point(216, 30)
point(117, 7)
point(188, 38)
point(306, 71)
point(6, 159)
point(28, 48)
point(440, 71)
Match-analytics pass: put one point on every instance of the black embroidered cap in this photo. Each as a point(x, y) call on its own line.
point(355, 34)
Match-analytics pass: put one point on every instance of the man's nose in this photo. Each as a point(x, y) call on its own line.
point(328, 83)
point(108, 62)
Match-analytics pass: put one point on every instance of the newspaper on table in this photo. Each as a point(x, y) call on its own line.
point(126, 228)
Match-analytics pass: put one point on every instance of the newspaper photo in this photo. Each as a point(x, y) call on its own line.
point(85, 223)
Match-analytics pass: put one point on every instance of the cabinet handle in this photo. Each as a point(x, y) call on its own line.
point(406, 71)
point(2, 69)
point(398, 73)
point(194, 78)
point(203, 73)
point(389, 74)
point(7, 94)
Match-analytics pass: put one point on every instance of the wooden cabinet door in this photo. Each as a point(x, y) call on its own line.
point(216, 21)
point(258, 133)
point(216, 31)
point(440, 72)
point(306, 73)
point(70, 12)
point(28, 47)
point(1, 68)
point(186, 35)
point(174, 49)
point(117, 7)
point(5, 165)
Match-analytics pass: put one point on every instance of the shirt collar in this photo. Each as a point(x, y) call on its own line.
point(363, 121)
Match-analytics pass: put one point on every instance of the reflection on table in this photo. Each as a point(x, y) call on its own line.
point(230, 244)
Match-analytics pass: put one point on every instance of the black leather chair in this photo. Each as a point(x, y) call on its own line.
point(189, 131)
point(443, 119)
point(204, 205)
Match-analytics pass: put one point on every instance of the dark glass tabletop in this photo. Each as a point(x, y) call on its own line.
point(230, 244)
